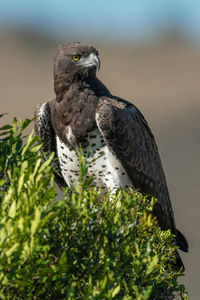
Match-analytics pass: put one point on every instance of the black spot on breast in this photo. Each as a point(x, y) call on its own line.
point(64, 162)
point(123, 173)
point(65, 155)
point(93, 136)
point(70, 159)
point(116, 168)
point(72, 171)
point(103, 166)
point(101, 152)
point(61, 147)
point(93, 145)
point(109, 173)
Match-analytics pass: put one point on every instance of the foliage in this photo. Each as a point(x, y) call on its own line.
point(85, 246)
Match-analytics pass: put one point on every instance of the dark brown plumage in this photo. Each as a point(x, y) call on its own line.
point(84, 112)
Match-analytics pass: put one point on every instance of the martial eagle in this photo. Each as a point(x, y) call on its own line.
point(85, 112)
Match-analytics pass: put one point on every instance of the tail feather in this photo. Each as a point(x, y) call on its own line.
point(179, 263)
point(181, 241)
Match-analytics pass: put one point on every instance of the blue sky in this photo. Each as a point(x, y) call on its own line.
point(110, 19)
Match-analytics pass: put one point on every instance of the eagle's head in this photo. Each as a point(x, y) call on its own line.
point(76, 60)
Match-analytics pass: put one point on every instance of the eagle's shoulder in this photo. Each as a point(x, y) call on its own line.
point(114, 101)
point(112, 108)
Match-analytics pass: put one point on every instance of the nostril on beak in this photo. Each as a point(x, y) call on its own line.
point(90, 61)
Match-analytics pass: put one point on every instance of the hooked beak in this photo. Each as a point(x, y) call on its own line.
point(90, 61)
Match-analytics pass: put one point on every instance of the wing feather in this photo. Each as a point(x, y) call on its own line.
point(44, 129)
point(130, 139)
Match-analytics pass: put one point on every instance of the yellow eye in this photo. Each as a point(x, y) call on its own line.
point(76, 57)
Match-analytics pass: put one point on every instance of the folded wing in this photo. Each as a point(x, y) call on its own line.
point(128, 136)
point(44, 129)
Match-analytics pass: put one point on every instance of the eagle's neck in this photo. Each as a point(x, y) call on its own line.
point(74, 107)
point(64, 81)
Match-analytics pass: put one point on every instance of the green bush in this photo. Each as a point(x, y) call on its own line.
point(81, 247)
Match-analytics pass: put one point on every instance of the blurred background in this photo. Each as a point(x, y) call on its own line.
point(150, 55)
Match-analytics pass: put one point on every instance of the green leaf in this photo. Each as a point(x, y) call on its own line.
point(147, 292)
point(2, 182)
point(36, 148)
point(46, 163)
point(116, 291)
point(12, 250)
point(1, 115)
point(103, 285)
point(152, 264)
point(36, 221)
point(116, 218)
point(12, 209)
point(6, 127)
point(25, 123)
point(20, 184)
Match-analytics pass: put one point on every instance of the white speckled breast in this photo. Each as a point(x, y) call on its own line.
point(106, 170)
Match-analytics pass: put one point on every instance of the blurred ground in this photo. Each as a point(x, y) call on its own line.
point(163, 82)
